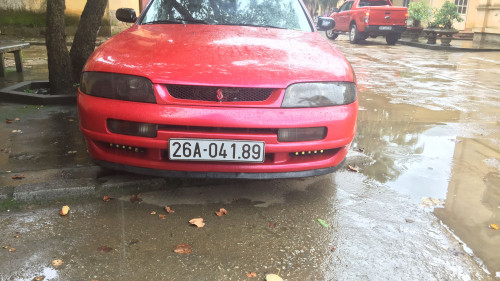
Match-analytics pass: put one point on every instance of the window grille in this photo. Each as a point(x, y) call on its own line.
point(461, 6)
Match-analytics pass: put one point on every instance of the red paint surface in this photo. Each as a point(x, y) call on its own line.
point(219, 56)
point(377, 16)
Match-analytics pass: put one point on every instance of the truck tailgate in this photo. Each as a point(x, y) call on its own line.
point(387, 15)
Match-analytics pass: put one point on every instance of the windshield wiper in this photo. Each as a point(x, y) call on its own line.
point(184, 21)
point(177, 20)
point(162, 21)
point(255, 25)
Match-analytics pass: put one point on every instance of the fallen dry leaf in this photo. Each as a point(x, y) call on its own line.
point(136, 198)
point(57, 263)
point(162, 217)
point(106, 198)
point(17, 235)
point(8, 121)
point(169, 210)
point(409, 221)
point(494, 226)
point(18, 177)
point(251, 274)
point(17, 119)
point(352, 169)
point(71, 120)
point(221, 212)
point(6, 247)
point(17, 131)
point(430, 202)
point(153, 213)
point(39, 278)
point(273, 277)
point(198, 222)
point(105, 249)
point(64, 210)
point(133, 242)
point(183, 249)
point(12, 250)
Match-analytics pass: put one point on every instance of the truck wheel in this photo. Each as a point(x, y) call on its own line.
point(354, 35)
point(331, 35)
point(391, 38)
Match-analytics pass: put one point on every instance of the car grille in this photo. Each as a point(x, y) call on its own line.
point(207, 93)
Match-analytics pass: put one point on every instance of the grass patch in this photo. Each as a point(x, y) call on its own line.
point(10, 204)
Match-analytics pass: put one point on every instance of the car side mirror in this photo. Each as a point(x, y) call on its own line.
point(335, 10)
point(126, 15)
point(325, 23)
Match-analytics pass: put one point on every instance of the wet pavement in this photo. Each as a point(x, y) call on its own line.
point(428, 152)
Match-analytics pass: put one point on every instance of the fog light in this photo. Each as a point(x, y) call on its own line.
point(301, 134)
point(132, 128)
point(127, 148)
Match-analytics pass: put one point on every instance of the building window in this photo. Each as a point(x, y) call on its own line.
point(406, 3)
point(462, 6)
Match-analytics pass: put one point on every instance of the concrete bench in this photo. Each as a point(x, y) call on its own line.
point(14, 48)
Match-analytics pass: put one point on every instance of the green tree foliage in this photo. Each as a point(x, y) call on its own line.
point(326, 6)
point(446, 15)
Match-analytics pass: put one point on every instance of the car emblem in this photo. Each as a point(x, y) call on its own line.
point(220, 95)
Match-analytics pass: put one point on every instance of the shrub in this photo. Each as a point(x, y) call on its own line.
point(419, 12)
point(446, 15)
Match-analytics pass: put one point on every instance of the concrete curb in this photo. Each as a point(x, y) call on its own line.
point(91, 185)
point(52, 190)
point(16, 94)
point(438, 47)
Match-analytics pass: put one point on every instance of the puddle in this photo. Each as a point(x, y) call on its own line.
point(427, 173)
point(431, 125)
point(35, 67)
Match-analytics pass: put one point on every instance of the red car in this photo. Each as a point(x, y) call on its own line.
point(221, 89)
point(369, 18)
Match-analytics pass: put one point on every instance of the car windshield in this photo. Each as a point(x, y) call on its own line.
point(373, 3)
point(286, 14)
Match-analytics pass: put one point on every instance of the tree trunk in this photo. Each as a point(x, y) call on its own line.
point(57, 52)
point(86, 35)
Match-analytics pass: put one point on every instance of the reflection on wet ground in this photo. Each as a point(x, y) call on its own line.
point(428, 127)
point(430, 121)
point(54, 129)
point(35, 65)
point(271, 227)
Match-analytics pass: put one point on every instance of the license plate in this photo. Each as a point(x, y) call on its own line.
point(385, 27)
point(216, 150)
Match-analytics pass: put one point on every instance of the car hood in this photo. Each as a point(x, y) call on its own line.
point(221, 55)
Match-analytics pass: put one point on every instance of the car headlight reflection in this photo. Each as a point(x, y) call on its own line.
point(320, 94)
point(117, 86)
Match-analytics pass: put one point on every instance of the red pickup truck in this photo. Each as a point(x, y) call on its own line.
point(369, 18)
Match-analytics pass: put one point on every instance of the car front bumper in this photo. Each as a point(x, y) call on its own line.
point(149, 155)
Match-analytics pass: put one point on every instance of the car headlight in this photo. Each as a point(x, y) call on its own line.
point(117, 86)
point(320, 94)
